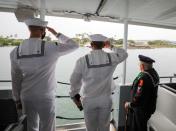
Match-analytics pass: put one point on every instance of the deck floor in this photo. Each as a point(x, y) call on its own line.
point(83, 129)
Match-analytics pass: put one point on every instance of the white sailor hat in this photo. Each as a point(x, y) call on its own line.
point(36, 22)
point(98, 37)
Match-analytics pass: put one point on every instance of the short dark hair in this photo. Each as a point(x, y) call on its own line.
point(98, 44)
point(33, 28)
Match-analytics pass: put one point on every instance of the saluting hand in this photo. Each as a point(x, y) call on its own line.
point(51, 30)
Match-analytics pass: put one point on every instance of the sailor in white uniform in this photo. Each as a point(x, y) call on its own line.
point(93, 72)
point(33, 74)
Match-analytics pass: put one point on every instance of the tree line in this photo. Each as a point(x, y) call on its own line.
point(6, 41)
point(83, 40)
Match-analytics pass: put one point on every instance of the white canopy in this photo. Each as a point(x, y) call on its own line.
point(157, 13)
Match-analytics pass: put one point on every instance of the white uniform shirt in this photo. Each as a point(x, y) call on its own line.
point(95, 72)
point(34, 77)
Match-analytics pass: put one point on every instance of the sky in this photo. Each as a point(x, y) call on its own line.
point(70, 27)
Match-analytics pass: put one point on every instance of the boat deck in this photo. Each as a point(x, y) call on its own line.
point(164, 117)
point(77, 127)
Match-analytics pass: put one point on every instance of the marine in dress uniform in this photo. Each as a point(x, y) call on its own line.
point(93, 73)
point(144, 95)
point(33, 74)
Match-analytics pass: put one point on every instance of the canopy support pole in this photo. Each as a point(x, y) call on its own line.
point(125, 38)
point(42, 9)
point(125, 43)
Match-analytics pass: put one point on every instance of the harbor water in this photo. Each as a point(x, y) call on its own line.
point(165, 65)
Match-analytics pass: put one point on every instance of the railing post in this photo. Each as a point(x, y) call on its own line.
point(170, 79)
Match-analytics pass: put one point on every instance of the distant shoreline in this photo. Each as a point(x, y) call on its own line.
point(132, 44)
point(150, 47)
point(129, 47)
